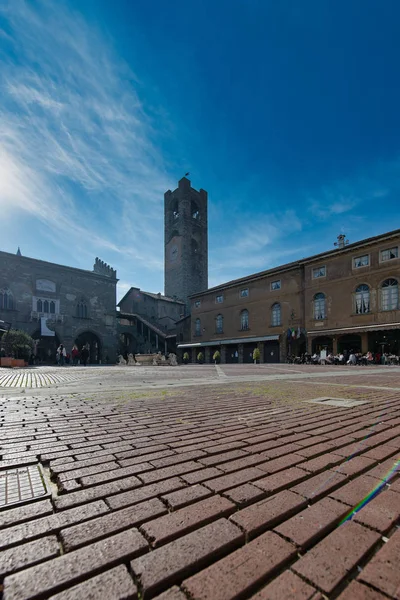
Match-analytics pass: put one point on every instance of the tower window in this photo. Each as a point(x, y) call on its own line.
point(219, 324)
point(195, 211)
point(175, 210)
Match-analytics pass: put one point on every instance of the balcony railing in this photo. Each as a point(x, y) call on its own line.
point(36, 316)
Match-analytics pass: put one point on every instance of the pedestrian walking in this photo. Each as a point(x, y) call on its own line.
point(75, 355)
point(61, 354)
point(84, 355)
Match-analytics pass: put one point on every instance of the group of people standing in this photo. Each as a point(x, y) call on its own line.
point(76, 357)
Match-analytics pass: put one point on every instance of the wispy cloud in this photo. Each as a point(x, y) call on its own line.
point(343, 197)
point(77, 147)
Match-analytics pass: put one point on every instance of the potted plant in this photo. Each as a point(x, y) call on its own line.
point(186, 358)
point(217, 357)
point(256, 355)
point(200, 358)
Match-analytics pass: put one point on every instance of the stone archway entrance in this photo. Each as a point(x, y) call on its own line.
point(350, 342)
point(322, 343)
point(92, 343)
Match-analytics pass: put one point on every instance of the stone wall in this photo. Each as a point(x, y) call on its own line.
point(63, 288)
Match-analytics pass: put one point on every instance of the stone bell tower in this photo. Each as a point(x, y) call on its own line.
point(185, 241)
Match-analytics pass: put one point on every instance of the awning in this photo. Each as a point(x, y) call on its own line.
point(264, 338)
point(356, 329)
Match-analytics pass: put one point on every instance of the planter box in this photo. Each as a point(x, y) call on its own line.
point(6, 361)
point(17, 362)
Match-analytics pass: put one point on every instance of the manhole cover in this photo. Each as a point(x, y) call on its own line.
point(342, 402)
point(22, 484)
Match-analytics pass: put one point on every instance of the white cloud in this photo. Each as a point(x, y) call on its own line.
point(77, 148)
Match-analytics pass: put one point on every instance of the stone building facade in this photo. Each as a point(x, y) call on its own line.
point(59, 304)
point(346, 298)
point(185, 241)
point(147, 322)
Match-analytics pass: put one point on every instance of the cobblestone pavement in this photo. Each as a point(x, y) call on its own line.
point(234, 489)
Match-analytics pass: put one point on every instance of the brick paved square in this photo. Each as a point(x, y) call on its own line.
point(194, 481)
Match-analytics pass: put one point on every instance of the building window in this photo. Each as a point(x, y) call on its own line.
point(219, 299)
point(6, 300)
point(319, 272)
point(197, 327)
point(390, 295)
point(39, 306)
point(195, 211)
point(244, 293)
point(389, 254)
point(362, 299)
point(52, 307)
point(276, 314)
point(244, 320)
point(81, 310)
point(175, 210)
point(319, 307)
point(197, 304)
point(361, 261)
point(219, 324)
point(276, 285)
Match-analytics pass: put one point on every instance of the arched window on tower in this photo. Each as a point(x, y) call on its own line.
point(219, 324)
point(244, 320)
point(197, 327)
point(39, 306)
point(390, 294)
point(276, 314)
point(6, 299)
point(319, 306)
point(175, 210)
point(52, 307)
point(362, 299)
point(81, 310)
point(46, 306)
point(194, 209)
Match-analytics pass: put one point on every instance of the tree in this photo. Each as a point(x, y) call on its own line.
point(186, 358)
point(256, 355)
point(18, 344)
point(217, 357)
point(200, 357)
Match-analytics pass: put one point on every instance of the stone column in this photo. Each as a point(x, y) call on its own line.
point(240, 352)
point(283, 347)
point(364, 342)
point(207, 355)
point(223, 354)
point(261, 349)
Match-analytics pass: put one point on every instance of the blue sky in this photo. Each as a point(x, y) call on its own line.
point(286, 112)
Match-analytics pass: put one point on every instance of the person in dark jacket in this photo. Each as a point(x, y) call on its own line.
point(84, 355)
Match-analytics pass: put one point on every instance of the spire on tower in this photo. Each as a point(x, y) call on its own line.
point(19, 252)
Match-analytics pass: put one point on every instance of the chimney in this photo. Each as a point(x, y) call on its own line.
point(341, 241)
